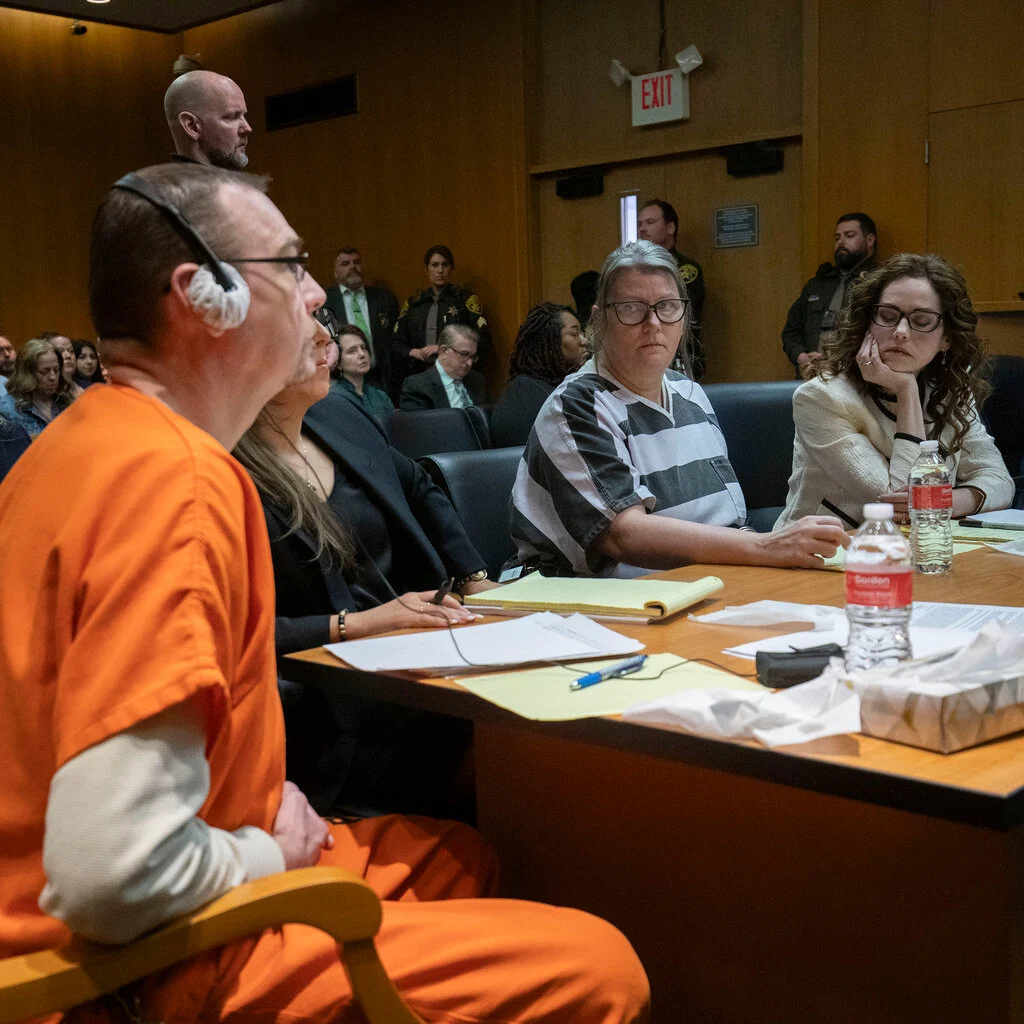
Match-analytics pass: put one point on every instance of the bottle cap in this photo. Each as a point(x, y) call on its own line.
point(878, 510)
point(929, 446)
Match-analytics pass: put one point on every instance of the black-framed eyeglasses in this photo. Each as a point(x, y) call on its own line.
point(296, 264)
point(632, 312)
point(326, 316)
point(466, 357)
point(924, 321)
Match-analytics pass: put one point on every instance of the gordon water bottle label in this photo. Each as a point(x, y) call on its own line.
point(879, 588)
point(924, 496)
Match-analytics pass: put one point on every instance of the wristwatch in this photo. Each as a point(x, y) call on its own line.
point(474, 577)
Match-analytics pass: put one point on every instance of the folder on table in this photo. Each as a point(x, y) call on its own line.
point(640, 599)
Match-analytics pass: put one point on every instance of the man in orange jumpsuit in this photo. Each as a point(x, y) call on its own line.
point(142, 735)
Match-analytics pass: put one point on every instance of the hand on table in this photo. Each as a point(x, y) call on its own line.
point(900, 501)
point(802, 542)
point(299, 831)
point(411, 611)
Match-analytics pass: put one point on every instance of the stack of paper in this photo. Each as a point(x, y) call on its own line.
point(642, 599)
point(542, 637)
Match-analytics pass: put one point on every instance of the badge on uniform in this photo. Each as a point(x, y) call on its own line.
point(382, 319)
point(453, 311)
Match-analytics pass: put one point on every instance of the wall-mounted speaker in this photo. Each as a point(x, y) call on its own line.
point(753, 158)
point(581, 184)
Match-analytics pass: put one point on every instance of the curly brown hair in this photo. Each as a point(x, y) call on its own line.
point(956, 380)
point(538, 346)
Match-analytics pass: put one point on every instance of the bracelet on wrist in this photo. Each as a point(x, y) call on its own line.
point(342, 632)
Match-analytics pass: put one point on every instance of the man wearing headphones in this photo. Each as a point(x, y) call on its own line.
point(206, 115)
point(142, 732)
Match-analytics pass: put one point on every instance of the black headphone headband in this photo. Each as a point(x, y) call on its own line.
point(133, 183)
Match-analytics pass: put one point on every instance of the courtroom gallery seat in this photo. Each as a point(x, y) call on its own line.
point(757, 421)
point(427, 431)
point(479, 485)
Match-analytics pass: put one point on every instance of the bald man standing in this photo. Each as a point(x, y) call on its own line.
point(206, 114)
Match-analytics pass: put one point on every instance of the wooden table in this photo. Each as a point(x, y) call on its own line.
point(850, 879)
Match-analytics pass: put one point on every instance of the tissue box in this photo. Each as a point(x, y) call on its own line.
point(944, 723)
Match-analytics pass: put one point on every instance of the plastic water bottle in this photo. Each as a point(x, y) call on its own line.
point(879, 592)
point(931, 504)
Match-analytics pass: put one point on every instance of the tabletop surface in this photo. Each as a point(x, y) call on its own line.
point(983, 785)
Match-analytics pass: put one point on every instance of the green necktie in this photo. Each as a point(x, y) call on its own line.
point(360, 322)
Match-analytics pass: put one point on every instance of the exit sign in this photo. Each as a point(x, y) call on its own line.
point(661, 96)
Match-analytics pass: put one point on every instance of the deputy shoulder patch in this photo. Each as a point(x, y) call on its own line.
point(404, 309)
point(688, 272)
point(473, 305)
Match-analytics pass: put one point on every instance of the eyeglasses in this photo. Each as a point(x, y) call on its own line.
point(631, 313)
point(296, 264)
point(924, 321)
point(466, 357)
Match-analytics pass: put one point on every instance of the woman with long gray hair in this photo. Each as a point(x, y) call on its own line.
point(626, 469)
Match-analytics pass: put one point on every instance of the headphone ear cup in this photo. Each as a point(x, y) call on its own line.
point(219, 309)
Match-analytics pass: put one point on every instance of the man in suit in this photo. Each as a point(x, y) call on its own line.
point(373, 310)
point(451, 383)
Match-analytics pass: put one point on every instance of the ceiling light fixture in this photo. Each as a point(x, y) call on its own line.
point(97, 1)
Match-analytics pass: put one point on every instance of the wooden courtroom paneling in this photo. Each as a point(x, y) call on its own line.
point(872, 121)
point(76, 112)
point(749, 290)
point(435, 153)
point(976, 198)
point(975, 53)
point(749, 86)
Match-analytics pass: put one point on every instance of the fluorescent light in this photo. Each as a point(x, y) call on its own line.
point(627, 219)
point(97, 1)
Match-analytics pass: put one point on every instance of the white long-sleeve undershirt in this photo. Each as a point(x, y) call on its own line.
point(123, 850)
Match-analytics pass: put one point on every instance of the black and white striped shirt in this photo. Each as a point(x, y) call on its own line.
point(598, 449)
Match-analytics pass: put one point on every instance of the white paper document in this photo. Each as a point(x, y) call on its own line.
point(1007, 519)
point(940, 615)
point(540, 637)
point(923, 642)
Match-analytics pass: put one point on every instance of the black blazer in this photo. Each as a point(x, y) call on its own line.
point(383, 306)
point(425, 390)
point(428, 542)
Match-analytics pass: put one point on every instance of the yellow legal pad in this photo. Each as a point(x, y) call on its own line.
point(837, 563)
point(543, 694)
point(642, 599)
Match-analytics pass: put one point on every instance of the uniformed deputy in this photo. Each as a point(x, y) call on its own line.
point(817, 310)
point(658, 222)
point(427, 312)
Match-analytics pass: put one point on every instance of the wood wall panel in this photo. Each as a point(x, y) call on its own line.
point(749, 290)
point(976, 197)
point(748, 87)
point(435, 154)
point(76, 112)
point(975, 53)
point(872, 120)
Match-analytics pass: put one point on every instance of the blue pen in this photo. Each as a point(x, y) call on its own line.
point(623, 668)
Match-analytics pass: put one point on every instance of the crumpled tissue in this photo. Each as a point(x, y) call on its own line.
point(825, 706)
point(770, 613)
